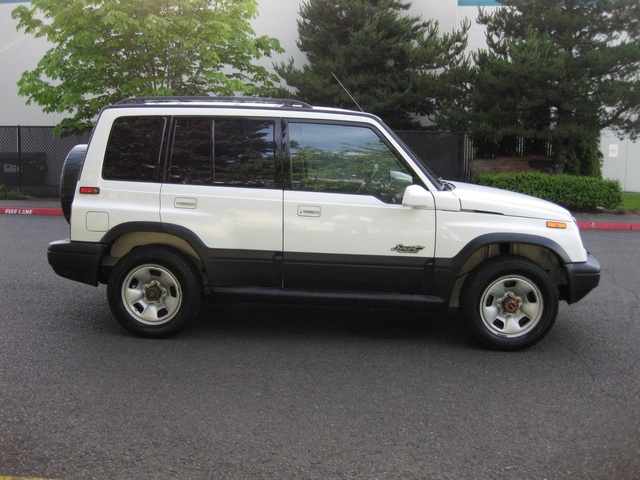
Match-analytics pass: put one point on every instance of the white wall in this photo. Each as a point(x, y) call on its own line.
point(278, 19)
point(621, 161)
point(18, 53)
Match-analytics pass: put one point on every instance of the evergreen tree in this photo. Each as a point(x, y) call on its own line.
point(386, 59)
point(558, 70)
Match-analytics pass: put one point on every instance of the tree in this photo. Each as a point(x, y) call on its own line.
point(387, 60)
point(558, 70)
point(106, 51)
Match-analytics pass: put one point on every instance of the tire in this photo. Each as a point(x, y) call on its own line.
point(154, 291)
point(509, 303)
point(69, 178)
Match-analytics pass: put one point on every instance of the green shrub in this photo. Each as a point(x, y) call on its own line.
point(6, 194)
point(570, 191)
point(585, 159)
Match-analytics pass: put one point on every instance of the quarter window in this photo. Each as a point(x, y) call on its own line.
point(345, 159)
point(133, 150)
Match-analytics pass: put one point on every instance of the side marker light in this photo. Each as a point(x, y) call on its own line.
point(90, 190)
point(561, 225)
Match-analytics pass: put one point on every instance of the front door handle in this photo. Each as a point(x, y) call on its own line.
point(185, 202)
point(309, 211)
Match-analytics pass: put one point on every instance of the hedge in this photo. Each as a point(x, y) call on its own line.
point(570, 191)
point(6, 194)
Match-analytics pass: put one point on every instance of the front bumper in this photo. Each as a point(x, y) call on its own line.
point(581, 279)
point(79, 261)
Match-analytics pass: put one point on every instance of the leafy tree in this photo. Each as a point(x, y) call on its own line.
point(558, 70)
point(105, 51)
point(386, 59)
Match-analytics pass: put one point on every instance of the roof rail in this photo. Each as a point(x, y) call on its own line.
point(281, 102)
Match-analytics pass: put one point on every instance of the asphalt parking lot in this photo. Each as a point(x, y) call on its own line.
point(275, 391)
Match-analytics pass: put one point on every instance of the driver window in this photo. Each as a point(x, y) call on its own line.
point(345, 159)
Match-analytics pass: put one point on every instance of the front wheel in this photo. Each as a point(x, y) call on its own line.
point(509, 303)
point(154, 291)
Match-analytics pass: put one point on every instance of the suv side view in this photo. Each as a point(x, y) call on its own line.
point(179, 197)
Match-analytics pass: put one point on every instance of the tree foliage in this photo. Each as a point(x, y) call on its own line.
point(388, 60)
point(105, 51)
point(559, 70)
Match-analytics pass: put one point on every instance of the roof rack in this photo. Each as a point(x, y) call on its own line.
point(280, 102)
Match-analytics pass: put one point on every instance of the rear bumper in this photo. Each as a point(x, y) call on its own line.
point(582, 278)
point(79, 261)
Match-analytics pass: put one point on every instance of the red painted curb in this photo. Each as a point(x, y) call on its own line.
point(609, 226)
point(30, 211)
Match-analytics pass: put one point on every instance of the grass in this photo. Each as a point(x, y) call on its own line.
point(630, 201)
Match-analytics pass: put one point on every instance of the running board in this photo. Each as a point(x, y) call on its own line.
point(302, 297)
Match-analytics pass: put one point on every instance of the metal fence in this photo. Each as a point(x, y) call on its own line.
point(446, 154)
point(31, 159)
point(511, 146)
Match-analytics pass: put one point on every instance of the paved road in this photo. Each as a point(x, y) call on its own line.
point(265, 392)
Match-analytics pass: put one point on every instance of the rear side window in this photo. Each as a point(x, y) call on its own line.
point(224, 152)
point(133, 151)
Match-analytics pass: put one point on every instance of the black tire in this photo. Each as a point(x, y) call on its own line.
point(508, 303)
point(154, 291)
point(69, 178)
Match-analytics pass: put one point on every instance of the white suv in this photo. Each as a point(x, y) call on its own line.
point(175, 198)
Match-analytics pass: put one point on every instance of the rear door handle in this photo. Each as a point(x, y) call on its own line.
point(309, 211)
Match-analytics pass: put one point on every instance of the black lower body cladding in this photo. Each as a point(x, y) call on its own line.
point(582, 278)
point(79, 261)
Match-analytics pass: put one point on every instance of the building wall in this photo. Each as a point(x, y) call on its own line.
point(621, 161)
point(18, 53)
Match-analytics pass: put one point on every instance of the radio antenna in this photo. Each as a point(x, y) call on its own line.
point(345, 89)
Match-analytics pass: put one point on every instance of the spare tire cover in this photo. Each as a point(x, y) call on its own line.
point(69, 178)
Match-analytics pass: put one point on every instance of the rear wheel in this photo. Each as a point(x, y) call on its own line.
point(154, 291)
point(509, 303)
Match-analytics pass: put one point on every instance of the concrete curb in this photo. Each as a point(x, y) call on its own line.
point(582, 225)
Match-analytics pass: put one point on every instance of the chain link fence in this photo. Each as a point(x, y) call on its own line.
point(31, 159)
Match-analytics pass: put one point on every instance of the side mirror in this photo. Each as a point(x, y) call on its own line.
point(417, 197)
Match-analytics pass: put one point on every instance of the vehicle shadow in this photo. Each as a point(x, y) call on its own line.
point(271, 319)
